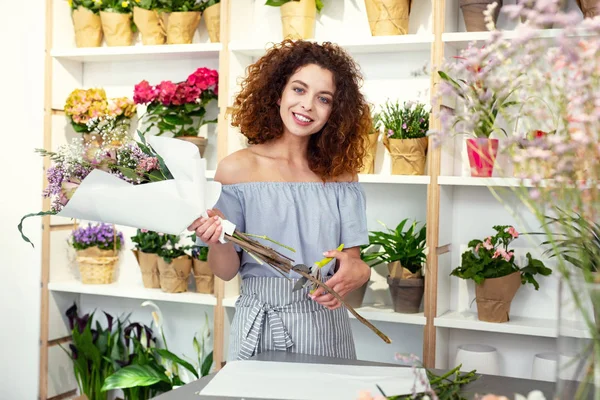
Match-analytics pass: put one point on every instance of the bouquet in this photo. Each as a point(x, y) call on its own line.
point(126, 185)
point(179, 107)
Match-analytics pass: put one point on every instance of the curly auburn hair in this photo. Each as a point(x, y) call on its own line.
point(339, 147)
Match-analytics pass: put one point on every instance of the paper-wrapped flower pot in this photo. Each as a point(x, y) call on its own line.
point(88, 28)
point(494, 297)
point(174, 275)
point(148, 263)
point(298, 19)
point(181, 26)
point(212, 19)
point(116, 28)
point(150, 25)
point(388, 17)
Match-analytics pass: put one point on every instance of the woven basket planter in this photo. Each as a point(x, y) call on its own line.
point(97, 267)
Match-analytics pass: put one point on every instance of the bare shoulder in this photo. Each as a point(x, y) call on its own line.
point(347, 177)
point(236, 167)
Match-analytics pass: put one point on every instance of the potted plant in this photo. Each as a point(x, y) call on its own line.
point(211, 14)
point(179, 108)
point(473, 13)
point(181, 18)
point(297, 17)
point(174, 265)
point(147, 246)
point(93, 351)
point(148, 21)
point(97, 248)
point(148, 369)
point(203, 275)
point(491, 265)
point(477, 116)
point(404, 252)
point(86, 23)
point(371, 150)
point(117, 24)
point(405, 136)
point(388, 17)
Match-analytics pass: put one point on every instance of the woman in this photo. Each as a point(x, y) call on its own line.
point(306, 121)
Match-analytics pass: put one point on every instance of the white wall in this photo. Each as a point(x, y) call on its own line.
point(21, 113)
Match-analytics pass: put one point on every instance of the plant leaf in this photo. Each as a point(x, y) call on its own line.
point(172, 357)
point(133, 376)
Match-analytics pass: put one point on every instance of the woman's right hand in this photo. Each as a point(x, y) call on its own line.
point(208, 229)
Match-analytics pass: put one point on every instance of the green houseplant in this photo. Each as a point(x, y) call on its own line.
point(491, 265)
point(404, 252)
point(405, 136)
point(297, 17)
point(147, 246)
point(182, 18)
point(174, 265)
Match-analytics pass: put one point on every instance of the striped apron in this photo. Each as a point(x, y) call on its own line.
point(269, 316)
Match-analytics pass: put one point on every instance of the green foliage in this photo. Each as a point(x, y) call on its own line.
point(149, 241)
point(181, 120)
point(118, 6)
point(409, 121)
point(92, 5)
point(93, 351)
point(147, 4)
point(406, 246)
point(179, 5)
point(491, 258)
point(278, 3)
point(577, 239)
point(209, 3)
point(447, 386)
point(173, 248)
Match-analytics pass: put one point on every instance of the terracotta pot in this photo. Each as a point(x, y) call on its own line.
point(407, 294)
point(356, 297)
point(494, 297)
point(589, 8)
point(298, 19)
point(198, 141)
point(473, 13)
point(388, 17)
point(482, 154)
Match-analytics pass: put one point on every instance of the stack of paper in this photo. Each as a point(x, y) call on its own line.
point(298, 381)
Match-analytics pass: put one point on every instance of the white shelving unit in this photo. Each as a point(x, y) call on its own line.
point(391, 68)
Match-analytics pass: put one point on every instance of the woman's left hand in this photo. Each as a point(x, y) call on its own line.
point(351, 274)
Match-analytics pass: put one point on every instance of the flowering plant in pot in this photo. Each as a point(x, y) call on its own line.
point(492, 266)
point(174, 264)
point(179, 108)
point(147, 18)
point(203, 275)
point(473, 12)
point(97, 247)
point(405, 136)
point(117, 23)
point(211, 13)
point(481, 100)
point(181, 18)
point(148, 245)
point(86, 22)
point(404, 252)
point(297, 17)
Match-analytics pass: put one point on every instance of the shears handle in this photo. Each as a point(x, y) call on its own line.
point(326, 260)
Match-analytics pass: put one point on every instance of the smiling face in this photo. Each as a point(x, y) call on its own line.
point(307, 100)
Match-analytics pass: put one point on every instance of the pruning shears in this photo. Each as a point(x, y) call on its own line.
point(314, 270)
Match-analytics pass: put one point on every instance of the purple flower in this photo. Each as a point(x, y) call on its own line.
point(101, 235)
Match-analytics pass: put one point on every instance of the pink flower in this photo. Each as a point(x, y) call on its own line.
point(493, 397)
point(488, 243)
point(477, 247)
point(512, 231)
point(144, 93)
point(166, 91)
point(508, 256)
point(364, 395)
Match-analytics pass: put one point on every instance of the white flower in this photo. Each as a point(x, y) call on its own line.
point(533, 395)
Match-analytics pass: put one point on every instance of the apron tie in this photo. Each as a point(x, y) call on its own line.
point(253, 330)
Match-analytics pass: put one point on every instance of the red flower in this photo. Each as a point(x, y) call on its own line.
point(539, 134)
point(166, 91)
point(144, 93)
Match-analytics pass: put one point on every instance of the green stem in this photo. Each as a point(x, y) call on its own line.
point(264, 237)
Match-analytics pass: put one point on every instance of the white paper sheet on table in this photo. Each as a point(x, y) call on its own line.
point(299, 381)
point(167, 206)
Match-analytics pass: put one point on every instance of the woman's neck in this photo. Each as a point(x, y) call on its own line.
point(291, 148)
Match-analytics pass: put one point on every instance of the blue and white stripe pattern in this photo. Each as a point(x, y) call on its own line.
point(269, 316)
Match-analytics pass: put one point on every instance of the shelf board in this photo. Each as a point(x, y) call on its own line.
point(517, 325)
point(138, 53)
point(230, 301)
point(366, 45)
point(396, 179)
point(386, 314)
point(461, 40)
point(475, 181)
point(132, 292)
